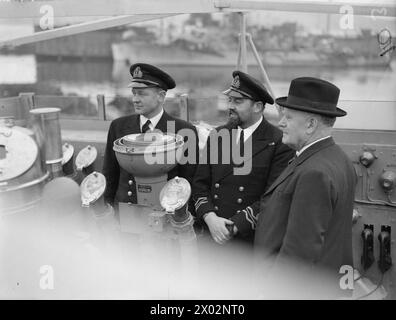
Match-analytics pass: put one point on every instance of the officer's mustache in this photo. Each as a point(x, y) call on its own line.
point(233, 119)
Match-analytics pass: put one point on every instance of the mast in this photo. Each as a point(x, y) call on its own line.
point(242, 60)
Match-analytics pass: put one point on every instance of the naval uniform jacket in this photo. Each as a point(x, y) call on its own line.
point(306, 214)
point(121, 184)
point(216, 188)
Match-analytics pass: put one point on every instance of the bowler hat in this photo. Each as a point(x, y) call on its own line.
point(147, 76)
point(245, 86)
point(313, 95)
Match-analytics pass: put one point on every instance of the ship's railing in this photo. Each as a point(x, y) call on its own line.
point(105, 108)
point(212, 110)
point(98, 108)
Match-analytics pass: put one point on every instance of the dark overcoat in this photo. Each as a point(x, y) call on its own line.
point(306, 214)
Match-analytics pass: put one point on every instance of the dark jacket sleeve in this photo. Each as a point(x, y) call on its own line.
point(202, 183)
point(111, 169)
point(246, 220)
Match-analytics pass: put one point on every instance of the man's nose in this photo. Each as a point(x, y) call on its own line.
point(135, 98)
point(282, 123)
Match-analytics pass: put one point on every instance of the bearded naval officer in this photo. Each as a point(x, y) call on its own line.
point(227, 203)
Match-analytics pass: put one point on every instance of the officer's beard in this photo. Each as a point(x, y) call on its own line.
point(233, 120)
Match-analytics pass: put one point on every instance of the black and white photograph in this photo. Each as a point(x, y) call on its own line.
point(197, 155)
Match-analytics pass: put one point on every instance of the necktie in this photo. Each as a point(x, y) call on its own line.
point(241, 143)
point(146, 126)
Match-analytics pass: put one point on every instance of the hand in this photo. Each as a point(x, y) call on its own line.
point(217, 227)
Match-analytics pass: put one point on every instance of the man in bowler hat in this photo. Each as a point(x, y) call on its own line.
point(306, 214)
point(148, 86)
point(227, 202)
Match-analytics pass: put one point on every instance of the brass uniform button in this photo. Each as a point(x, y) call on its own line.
point(239, 200)
point(216, 208)
point(216, 196)
point(130, 182)
point(241, 188)
point(217, 185)
point(129, 203)
point(129, 193)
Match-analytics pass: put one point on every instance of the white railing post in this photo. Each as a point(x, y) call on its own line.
point(101, 106)
point(183, 102)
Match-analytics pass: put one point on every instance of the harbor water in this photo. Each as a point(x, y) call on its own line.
point(366, 93)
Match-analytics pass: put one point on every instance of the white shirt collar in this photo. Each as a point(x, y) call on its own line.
point(154, 120)
point(247, 132)
point(308, 145)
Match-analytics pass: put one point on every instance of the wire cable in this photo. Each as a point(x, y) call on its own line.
point(360, 277)
point(372, 291)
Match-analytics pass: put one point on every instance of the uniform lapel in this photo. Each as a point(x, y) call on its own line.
point(224, 169)
point(259, 141)
point(162, 124)
point(299, 160)
point(132, 125)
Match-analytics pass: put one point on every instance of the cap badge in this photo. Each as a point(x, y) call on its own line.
point(137, 73)
point(235, 83)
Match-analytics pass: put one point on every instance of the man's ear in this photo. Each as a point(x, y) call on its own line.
point(258, 106)
point(312, 124)
point(161, 95)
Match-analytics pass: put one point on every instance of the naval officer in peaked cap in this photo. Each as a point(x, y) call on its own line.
point(148, 87)
point(227, 203)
